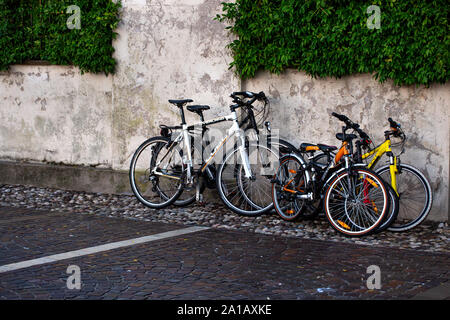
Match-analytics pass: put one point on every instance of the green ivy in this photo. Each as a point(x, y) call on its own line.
point(330, 38)
point(37, 30)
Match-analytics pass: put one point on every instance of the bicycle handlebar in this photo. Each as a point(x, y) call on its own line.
point(351, 125)
point(340, 117)
point(247, 94)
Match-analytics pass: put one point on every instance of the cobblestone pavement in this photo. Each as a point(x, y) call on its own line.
point(431, 237)
point(209, 264)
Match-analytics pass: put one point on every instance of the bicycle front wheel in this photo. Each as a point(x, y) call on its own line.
point(415, 196)
point(248, 196)
point(356, 202)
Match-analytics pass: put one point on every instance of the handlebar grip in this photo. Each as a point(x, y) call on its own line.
point(393, 124)
point(246, 94)
point(261, 95)
point(340, 116)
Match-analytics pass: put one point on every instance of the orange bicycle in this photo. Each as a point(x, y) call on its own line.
point(355, 198)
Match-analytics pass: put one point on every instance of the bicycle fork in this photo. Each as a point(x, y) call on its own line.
point(393, 170)
point(242, 149)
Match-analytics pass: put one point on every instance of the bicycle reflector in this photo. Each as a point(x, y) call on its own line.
point(343, 224)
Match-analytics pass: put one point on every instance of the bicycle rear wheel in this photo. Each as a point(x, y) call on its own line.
point(415, 196)
point(289, 181)
point(250, 189)
point(157, 173)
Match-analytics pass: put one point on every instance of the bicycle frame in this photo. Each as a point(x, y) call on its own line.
point(384, 148)
point(184, 135)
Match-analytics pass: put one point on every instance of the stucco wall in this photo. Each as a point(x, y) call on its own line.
point(173, 49)
point(302, 106)
point(54, 114)
point(167, 49)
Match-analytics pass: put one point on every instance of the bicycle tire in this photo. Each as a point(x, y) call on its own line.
point(394, 206)
point(282, 147)
point(290, 211)
point(404, 209)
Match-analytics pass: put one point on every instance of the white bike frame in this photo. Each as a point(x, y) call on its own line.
point(184, 135)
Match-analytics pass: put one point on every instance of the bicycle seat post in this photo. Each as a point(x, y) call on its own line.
point(180, 104)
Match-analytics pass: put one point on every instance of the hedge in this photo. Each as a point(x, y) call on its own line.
point(37, 30)
point(331, 38)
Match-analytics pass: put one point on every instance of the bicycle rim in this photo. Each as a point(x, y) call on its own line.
point(258, 192)
point(393, 209)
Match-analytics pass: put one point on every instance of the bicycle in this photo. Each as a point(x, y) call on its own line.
point(355, 198)
point(364, 142)
point(410, 184)
point(249, 122)
point(168, 170)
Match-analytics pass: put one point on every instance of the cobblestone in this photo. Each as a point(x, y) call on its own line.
point(430, 237)
point(218, 264)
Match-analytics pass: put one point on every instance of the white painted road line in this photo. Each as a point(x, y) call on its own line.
point(96, 249)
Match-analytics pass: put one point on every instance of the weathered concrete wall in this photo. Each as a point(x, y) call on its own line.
point(54, 114)
point(166, 49)
point(173, 49)
point(302, 106)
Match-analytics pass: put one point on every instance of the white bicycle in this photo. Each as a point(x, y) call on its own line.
point(163, 167)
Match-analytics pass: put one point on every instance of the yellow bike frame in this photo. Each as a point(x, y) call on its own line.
point(379, 151)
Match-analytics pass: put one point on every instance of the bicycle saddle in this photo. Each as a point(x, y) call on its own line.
point(314, 147)
point(348, 137)
point(308, 147)
point(326, 148)
point(180, 103)
point(197, 108)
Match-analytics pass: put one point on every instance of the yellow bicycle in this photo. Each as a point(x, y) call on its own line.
point(411, 186)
